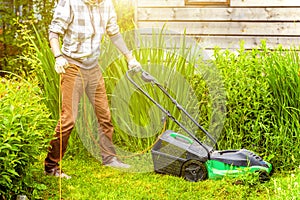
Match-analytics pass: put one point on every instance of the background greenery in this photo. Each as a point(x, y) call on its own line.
point(263, 88)
point(24, 124)
point(262, 114)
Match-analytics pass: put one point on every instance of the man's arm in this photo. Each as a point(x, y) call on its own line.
point(54, 43)
point(60, 62)
point(119, 42)
point(113, 32)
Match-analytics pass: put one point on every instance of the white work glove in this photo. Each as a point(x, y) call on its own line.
point(133, 64)
point(61, 64)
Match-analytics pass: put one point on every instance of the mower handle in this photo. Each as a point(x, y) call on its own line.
point(148, 78)
point(145, 75)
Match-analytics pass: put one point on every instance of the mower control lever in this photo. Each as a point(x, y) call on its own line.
point(147, 77)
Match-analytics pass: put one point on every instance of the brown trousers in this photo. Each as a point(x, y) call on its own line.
point(74, 83)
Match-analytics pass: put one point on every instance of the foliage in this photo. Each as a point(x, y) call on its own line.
point(262, 108)
point(44, 70)
point(262, 103)
point(282, 72)
point(248, 106)
point(16, 19)
point(125, 14)
point(24, 129)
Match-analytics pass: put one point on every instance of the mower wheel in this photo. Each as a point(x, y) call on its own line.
point(194, 170)
point(263, 176)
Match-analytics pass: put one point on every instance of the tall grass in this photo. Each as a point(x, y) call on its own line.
point(282, 67)
point(45, 72)
point(262, 102)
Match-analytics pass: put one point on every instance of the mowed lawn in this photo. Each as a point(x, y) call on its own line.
point(91, 180)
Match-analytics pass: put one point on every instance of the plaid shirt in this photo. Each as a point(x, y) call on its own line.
point(82, 26)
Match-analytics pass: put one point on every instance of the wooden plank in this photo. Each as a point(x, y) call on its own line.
point(233, 3)
point(228, 28)
point(229, 42)
point(159, 3)
point(269, 3)
point(206, 2)
point(250, 42)
point(223, 14)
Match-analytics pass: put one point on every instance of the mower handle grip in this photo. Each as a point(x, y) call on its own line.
point(144, 75)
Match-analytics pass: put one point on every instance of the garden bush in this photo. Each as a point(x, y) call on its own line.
point(25, 130)
point(262, 90)
point(248, 100)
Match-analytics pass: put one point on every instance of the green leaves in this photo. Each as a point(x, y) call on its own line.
point(24, 132)
point(263, 102)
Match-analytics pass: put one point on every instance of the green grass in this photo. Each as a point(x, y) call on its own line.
point(90, 180)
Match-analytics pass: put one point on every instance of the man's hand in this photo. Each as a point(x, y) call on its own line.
point(133, 64)
point(61, 64)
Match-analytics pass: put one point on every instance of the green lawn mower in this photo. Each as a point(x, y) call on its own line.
point(179, 155)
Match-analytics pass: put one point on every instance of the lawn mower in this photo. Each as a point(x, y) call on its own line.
point(186, 156)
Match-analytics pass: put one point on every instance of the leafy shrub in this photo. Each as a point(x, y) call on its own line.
point(248, 99)
point(262, 89)
point(24, 125)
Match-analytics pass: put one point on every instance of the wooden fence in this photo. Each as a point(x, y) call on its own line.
point(225, 23)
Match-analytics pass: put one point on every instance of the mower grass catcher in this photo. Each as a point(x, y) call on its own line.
point(187, 157)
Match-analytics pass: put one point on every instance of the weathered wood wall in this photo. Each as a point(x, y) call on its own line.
point(225, 25)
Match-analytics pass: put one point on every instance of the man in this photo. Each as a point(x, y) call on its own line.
point(82, 24)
